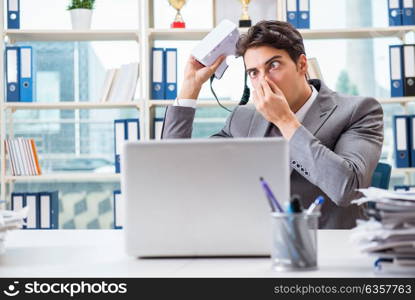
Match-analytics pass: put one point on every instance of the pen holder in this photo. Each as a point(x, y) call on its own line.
point(294, 241)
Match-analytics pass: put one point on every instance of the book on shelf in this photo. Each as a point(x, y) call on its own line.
point(23, 157)
point(314, 71)
point(120, 84)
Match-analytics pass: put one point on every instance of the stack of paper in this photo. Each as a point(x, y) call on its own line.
point(120, 84)
point(389, 234)
point(10, 220)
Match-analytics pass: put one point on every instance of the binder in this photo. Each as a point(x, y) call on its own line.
point(120, 135)
point(409, 69)
point(404, 188)
point(408, 15)
point(13, 74)
point(158, 74)
point(13, 14)
point(17, 203)
point(26, 74)
point(411, 121)
point(395, 12)
point(171, 73)
point(396, 70)
point(303, 14)
point(49, 210)
point(133, 129)
point(292, 12)
point(401, 188)
point(402, 142)
point(32, 201)
point(158, 128)
point(118, 210)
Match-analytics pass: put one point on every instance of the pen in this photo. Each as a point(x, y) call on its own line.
point(316, 205)
point(295, 205)
point(270, 196)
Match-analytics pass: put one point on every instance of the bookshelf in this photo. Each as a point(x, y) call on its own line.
point(8, 108)
point(144, 35)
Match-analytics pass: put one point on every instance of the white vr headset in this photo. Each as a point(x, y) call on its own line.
point(220, 41)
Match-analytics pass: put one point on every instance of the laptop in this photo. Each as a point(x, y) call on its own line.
point(189, 197)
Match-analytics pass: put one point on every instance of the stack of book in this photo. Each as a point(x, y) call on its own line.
point(389, 234)
point(120, 84)
point(23, 157)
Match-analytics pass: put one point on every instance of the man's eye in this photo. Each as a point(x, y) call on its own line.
point(252, 74)
point(275, 64)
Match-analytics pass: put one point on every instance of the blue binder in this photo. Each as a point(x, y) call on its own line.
point(132, 129)
point(158, 128)
point(17, 203)
point(49, 210)
point(292, 12)
point(401, 188)
point(411, 125)
point(404, 188)
point(395, 12)
point(396, 70)
point(171, 73)
point(402, 141)
point(33, 218)
point(303, 14)
point(158, 73)
point(26, 74)
point(408, 14)
point(120, 135)
point(117, 210)
point(13, 14)
point(13, 74)
point(409, 69)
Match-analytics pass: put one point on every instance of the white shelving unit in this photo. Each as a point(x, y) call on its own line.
point(8, 108)
point(145, 34)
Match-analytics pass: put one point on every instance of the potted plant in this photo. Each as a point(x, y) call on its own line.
point(81, 13)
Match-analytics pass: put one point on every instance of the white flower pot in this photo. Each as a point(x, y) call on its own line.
point(81, 18)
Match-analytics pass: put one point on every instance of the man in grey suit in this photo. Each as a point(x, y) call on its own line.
point(335, 140)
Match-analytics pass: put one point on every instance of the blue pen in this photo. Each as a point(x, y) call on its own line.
point(270, 196)
point(316, 205)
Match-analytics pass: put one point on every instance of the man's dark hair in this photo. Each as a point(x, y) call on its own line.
point(276, 34)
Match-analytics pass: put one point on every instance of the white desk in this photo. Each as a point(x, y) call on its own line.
point(100, 253)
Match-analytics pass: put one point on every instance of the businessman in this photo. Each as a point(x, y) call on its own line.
point(335, 140)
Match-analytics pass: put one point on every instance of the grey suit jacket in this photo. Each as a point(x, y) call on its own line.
point(332, 154)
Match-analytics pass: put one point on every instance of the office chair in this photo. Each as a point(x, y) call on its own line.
point(381, 176)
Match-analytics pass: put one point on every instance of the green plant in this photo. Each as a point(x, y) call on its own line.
point(88, 4)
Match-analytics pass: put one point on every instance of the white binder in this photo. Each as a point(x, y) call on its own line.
point(31, 202)
point(45, 211)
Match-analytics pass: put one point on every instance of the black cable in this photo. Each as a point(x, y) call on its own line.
point(214, 94)
point(245, 95)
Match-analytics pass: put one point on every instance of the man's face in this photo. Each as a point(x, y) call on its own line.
point(277, 66)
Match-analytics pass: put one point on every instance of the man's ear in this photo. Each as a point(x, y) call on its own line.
point(302, 64)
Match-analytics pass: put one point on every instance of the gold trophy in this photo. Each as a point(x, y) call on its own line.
point(178, 20)
point(245, 21)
